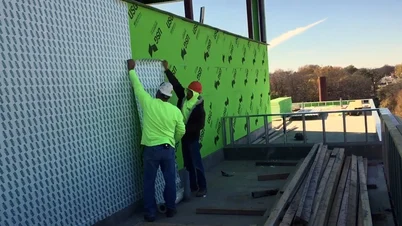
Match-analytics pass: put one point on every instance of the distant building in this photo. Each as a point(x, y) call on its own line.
point(388, 80)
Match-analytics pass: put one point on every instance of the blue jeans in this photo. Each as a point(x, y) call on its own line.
point(163, 156)
point(193, 163)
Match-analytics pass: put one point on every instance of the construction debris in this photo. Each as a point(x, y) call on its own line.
point(226, 174)
point(327, 189)
point(264, 193)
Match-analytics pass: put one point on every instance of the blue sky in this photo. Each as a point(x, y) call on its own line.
point(363, 33)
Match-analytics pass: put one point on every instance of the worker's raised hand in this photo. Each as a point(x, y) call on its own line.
point(165, 65)
point(130, 64)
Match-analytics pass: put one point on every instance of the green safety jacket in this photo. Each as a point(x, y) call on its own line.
point(163, 122)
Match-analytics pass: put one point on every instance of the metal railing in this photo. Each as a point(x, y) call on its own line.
point(339, 102)
point(392, 157)
point(322, 103)
point(229, 135)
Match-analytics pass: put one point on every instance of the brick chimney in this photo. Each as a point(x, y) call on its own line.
point(322, 88)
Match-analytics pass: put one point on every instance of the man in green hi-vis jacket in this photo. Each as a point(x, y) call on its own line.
point(163, 127)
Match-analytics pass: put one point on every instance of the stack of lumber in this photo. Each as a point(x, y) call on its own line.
point(327, 189)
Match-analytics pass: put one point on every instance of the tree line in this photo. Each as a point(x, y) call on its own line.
point(383, 84)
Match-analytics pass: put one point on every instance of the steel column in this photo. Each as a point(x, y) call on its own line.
point(188, 9)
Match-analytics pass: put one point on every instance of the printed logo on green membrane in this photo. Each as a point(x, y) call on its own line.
point(256, 76)
point(217, 82)
point(246, 79)
point(234, 73)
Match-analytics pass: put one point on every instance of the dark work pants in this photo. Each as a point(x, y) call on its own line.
point(163, 156)
point(193, 163)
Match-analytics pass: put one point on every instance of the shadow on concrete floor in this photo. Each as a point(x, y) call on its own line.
point(226, 192)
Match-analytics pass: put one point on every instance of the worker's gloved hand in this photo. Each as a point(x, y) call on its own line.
point(165, 65)
point(130, 64)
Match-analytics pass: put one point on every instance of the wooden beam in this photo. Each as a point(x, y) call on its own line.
point(334, 153)
point(291, 189)
point(365, 162)
point(279, 176)
point(276, 163)
point(353, 193)
point(308, 183)
point(343, 212)
point(291, 212)
point(264, 193)
point(303, 215)
point(321, 189)
point(365, 210)
point(324, 208)
point(326, 159)
point(221, 211)
point(336, 206)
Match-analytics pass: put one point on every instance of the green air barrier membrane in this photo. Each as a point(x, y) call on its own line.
point(281, 105)
point(233, 70)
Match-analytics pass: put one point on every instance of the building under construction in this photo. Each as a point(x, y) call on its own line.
point(70, 149)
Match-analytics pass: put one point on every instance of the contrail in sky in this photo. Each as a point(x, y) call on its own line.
point(290, 34)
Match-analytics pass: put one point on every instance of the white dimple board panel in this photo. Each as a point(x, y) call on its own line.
point(151, 74)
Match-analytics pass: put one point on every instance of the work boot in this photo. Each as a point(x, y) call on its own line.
point(201, 193)
point(148, 218)
point(171, 212)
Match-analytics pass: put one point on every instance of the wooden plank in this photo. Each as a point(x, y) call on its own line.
point(277, 163)
point(303, 216)
point(360, 219)
point(279, 176)
point(324, 208)
point(334, 153)
point(291, 189)
point(365, 162)
point(365, 210)
point(264, 193)
point(321, 189)
point(343, 212)
point(336, 206)
point(353, 193)
point(326, 159)
point(307, 184)
point(221, 211)
point(291, 212)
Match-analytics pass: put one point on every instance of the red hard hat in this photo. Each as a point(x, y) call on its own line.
point(195, 86)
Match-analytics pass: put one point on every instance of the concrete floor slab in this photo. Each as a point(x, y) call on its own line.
point(355, 129)
point(227, 192)
point(379, 199)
